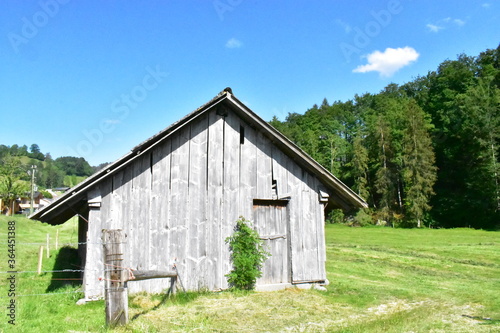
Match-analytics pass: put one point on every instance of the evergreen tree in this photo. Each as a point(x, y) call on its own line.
point(384, 184)
point(359, 167)
point(419, 172)
point(480, 107)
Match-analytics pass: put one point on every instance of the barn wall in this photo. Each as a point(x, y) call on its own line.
point(180, 200)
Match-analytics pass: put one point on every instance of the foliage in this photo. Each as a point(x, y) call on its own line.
point(362, 218)
point(335, 216)
point(247, 255)
point(46, 194)
point(36, 153)
point(49, 173)
point(77, 166)
point(100, 167)
point(12, 183)
point(425, 150)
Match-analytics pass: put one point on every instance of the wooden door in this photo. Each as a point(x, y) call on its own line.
point(271, 221)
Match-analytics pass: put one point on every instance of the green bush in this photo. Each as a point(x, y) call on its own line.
point(336, 216)
point(362, 218)
point(247, 256)
point(46, 194)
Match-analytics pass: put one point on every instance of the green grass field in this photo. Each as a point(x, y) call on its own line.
point(381, 280)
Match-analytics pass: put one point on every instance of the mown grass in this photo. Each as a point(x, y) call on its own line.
point(55, 312)
point(381, 280)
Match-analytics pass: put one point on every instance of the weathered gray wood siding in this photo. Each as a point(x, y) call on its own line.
point(179, 201)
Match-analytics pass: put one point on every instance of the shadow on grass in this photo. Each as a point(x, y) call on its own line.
point(67, 259)
point(179, 298)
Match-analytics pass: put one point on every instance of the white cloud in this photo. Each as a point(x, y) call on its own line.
point(233, 43)
point(444, 24)
point(388, 62)
point(347, 28)
point(433, 27)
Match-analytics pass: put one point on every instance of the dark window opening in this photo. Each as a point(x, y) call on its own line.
point(242, 135)
point(151, 163)
point(270, 202)
point(275, 188)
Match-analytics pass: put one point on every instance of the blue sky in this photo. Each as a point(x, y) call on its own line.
point(95, 78)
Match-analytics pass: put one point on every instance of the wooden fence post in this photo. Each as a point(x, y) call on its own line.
point(48, 243)
point(115, 290)
point(40, 259)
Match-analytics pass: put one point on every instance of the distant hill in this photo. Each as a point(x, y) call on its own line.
point(50, 173)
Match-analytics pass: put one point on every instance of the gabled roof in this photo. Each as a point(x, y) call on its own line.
point(75, 199)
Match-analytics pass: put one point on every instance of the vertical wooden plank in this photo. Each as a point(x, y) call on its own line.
point(231, 180)
point(196, 259)
point(282, 245)
point(154, 229)
point(296, 218)
point(264, 167)
point(280, 174)
point(107, 207)
point(139, 245)
point(127, 223)
point(179, 243)
point(311, 224)
point(321, 240)
point(248, 170)
point(214, 202)
point(260, 217)
point(83, 227)
point(319, 231)
point(118, 204)
point(160, 211)
point(94, 286)
point(309, 229)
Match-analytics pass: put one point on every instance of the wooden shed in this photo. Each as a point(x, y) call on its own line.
point(178, 195)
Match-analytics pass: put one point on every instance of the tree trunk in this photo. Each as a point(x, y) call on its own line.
point(495, 173)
